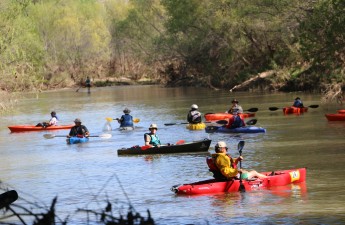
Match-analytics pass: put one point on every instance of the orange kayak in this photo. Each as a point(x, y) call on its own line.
point(23, 128)
point(224, 116)
point(335, 117)
point(291, 109)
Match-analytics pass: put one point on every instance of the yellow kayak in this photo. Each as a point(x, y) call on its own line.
point(197, 126)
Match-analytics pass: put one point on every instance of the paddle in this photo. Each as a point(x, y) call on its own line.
point(223, 122)
point(50, 136)
point(135, 120)
point(240, 147)
point(7, 198)
point(276, 108)
point(145, 147)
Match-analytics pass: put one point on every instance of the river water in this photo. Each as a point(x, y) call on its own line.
point(84, 176)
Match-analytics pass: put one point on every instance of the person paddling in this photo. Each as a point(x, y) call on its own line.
point(225, 167)
point(126, 120)
point(151, 139)
point(235, 121)
point(298, 103)
point(194, 116)
point(52, 122)
point(78, 130)
point(235, 106)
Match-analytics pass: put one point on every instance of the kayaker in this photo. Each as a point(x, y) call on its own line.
point(151, 139)
point(298, 103)
point(235, 121)
point(52, 122)
point(234, 106)
point(78, 130)
point(227, 166)
point(126, 120)
point(194, 116)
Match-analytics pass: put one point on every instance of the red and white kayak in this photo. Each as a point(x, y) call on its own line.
point(224, 116)
point(213, 186)
point(335, 117)
point(292, 109)
point(23, 128)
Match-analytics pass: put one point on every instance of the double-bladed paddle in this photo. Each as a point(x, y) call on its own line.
point(7, 198)
point(223, 122)
point(240, 147)
point(50, 136)
point(135, 120)
point(276, 108)
point(249, 110)
point(211, 129)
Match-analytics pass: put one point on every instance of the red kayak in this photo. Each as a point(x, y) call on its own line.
point(341, 111)
point(213, 186)
point(292, 109)
point(335, 117)
point(23, 128)
point(224, 116)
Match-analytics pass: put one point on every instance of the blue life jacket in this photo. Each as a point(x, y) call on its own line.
point(237, 122)
point(154, 139)
point(126, 121)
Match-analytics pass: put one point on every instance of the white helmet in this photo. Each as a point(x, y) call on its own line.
point(194, 106)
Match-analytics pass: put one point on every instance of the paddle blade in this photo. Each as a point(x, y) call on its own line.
point(136, 120)
point(223, 122)
point(211, 129)
point(252, 122)
point(109, 119)
point(48, 136)
point(242, 188)
point(170, 124)
point(240, 146)
point(105, 136)
point(273, 108)
point(7, 198)
point(252, 110)
point(313, 106)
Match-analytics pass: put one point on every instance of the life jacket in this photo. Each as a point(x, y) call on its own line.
point(217, 174)
point(194, 117)
point(237, 122)
point(154, 139)
point(126, 121)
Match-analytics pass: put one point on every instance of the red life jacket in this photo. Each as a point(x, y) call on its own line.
point(215, 170)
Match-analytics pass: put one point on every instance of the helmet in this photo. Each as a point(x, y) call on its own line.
point(221, 144)
point(77, 120)
point(153, 126)
point(234, 101)
point(126, 111)
point(194, 106)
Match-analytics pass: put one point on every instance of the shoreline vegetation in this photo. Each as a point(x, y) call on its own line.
point(286, 45)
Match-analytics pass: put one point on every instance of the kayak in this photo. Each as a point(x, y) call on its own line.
point(335, 117)
point(23, 128)
point(126, 128)
point(223, 116)
point(198, 126)
point(292, 109)
point(246, 129)
point(341, 111)
point(213, 186)
point(195, 146)
point(76, 140)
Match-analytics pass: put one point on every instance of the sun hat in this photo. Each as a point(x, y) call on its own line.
point(126, 111)
point(153, 126)
point(77, 120)
point(194, 106)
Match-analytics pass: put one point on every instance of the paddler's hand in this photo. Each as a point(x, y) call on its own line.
point(240, 158)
